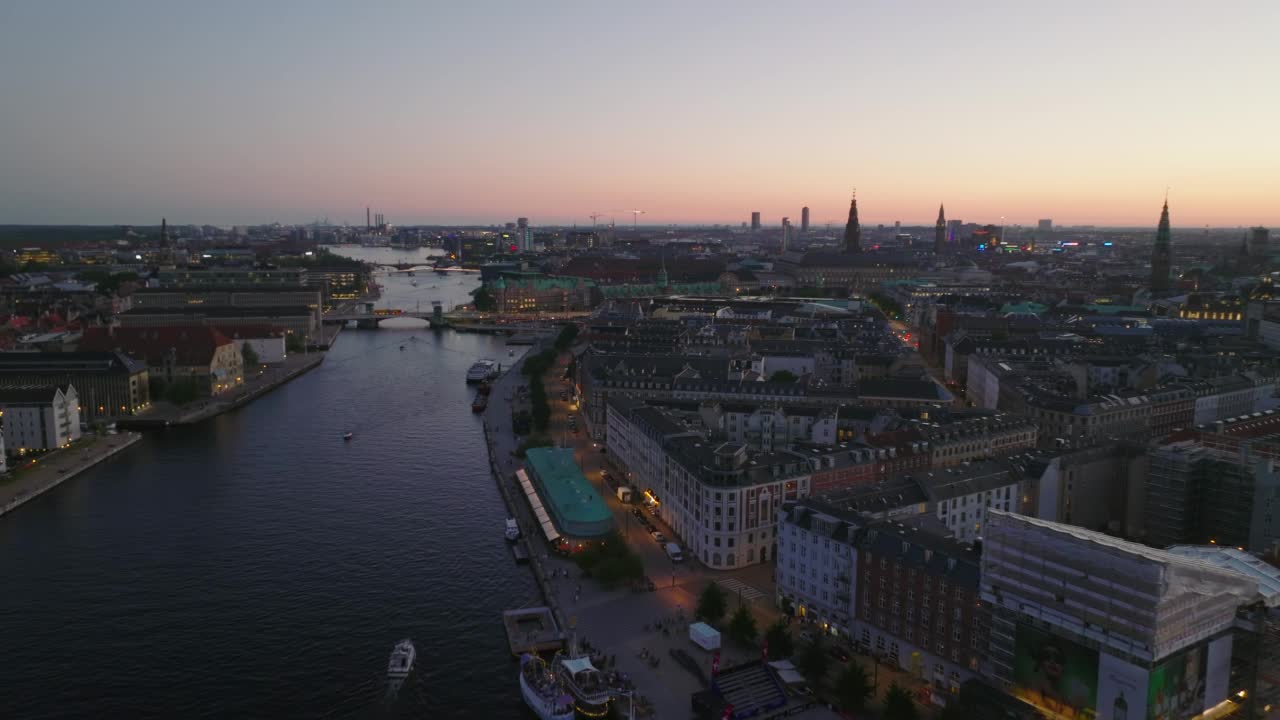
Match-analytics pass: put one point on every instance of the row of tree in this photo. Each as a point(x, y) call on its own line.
point(852, 689)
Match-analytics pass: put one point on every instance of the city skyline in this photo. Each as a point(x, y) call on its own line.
point(443, 116)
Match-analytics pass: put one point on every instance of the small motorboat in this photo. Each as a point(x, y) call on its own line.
point(402, 657)
point(512, 532)
point(348, 437)
point(401, 347)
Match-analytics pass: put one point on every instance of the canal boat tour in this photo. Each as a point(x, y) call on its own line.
point(401, 662)
point(542, 690)
point(483, 369)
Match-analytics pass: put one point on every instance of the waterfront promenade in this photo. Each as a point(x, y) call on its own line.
point(614, 621)
point(163, 414)
point(54, 468)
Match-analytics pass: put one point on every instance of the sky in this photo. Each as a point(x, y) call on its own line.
point(696, 112)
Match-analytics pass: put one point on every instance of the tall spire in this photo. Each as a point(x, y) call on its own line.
point(940, 232)
point(1160, 253)
point(164, 232)
point(852, 230)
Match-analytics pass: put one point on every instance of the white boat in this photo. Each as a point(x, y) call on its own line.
point(402, 657)
point(542, 691)
point(483, 369)
point(348, 436)
point(513, 530)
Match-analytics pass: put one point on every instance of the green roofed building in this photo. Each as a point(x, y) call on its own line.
point(517, 292)
point(574, 505)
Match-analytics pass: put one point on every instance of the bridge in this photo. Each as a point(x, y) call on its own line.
point(371, 321)
point(403, 267)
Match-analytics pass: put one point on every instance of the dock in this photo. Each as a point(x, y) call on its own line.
point(59, 466)
point(532, 630)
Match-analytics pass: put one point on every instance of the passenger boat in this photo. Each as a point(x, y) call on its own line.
point(402, 657)
point(542, 691)
point(483, 369)
point(587, 684)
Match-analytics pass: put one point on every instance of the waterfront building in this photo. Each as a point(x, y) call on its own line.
point(226, 295)
point(531, 292)
point(574, 506)
point(110, 384)
point(720, 498)
point(299, 320)
point(198, 276)
point(196, 354)
point(39, 418)
point(1129, 630)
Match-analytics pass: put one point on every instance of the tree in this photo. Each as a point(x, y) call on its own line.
point(712, 604)
point(814, 662)
point(784, 376)
point(853, 688)
point(954, 710)
point(566, 336)
point(294, 343)
point(249, 354)
point(742, 626)
point(484, 300)
point(898, 704)
point(779, 641)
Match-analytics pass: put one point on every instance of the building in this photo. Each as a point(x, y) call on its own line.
point(1161, 255)
point(940, 232)
point(852, 229)
point(804, 219)
point(720, 498)
point(39, 418)
point(226, 295)
point(1045, 225)
point(575, 507)
point(906, 594)
point(195, 354)
point(110, 384)
point(755, 221)
point(962, 497)
point(1204, 493)
point(524, 235)
point(1259, 243)
point(1085, 625)
point(528, 292)
point(297, 320)
point(786, 234)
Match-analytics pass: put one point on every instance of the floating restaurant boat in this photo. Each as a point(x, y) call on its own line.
point(542, 690)
point(483, 369)
point(588, 686)
point(402, 657)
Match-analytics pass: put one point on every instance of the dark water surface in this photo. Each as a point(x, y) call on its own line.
point(258, 566)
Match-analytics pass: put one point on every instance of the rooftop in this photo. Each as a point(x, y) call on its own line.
point(577, 508)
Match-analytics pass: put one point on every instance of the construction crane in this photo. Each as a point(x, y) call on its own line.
point(594, 217)
point(635, 217)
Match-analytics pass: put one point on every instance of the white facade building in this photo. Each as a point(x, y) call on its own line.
point(40, 418)
point(719, 498)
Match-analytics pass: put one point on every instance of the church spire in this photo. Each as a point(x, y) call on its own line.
point(1160, 253)
point(940, 232)
point(852, 230)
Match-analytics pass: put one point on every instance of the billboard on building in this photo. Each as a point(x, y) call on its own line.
point(1177, 686)
point(1217, 673)
point(1122, 689)
point(1055, 674)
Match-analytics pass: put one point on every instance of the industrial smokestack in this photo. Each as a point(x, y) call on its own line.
point(367, 223)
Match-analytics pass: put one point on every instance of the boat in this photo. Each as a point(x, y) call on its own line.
point(485, 388)
point(480, 403)
point(587, 684)
point(513, 529)
point(483, 369)
point(402, 657)
point(542, 691)
point(348, 436)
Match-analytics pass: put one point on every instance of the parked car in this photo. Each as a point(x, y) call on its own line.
point(658, 537)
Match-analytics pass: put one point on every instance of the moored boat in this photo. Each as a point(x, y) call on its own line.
point(588, 685)
point(513, 530)
point(542, 691)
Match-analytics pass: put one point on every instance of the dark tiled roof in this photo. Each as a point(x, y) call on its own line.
point(187, 345)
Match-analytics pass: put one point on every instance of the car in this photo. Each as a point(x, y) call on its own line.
point(637, 513)
point(839, 653)
point(658, 537)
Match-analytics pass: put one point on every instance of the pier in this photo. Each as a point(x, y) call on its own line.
point(55, 468)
